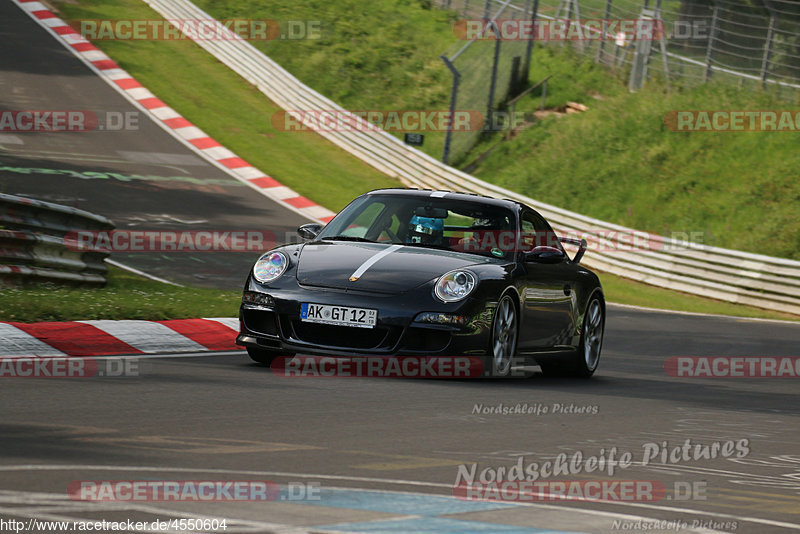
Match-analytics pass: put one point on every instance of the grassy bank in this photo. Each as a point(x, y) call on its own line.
point(126, 296)
point(620, 163)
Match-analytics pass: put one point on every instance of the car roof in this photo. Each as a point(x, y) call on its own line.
point(451, 195)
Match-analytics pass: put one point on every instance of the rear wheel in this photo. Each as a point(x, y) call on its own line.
point(583, 362)
point(266, 356)
point(504, 339)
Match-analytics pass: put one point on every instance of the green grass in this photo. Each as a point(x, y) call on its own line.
point(376, 55)
point(126, 296)
point(231, 110)
point(616, 162)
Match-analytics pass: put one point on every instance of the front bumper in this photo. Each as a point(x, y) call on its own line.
point(279, 328)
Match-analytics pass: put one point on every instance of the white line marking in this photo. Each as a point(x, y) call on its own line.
point(147, 336)
point(6, 139)
point(372, 261)
point(698, 314)
point(15, 342)
point(39, 467)
point(140, 273)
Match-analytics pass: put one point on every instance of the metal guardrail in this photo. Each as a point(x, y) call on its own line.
point(34, 242)
point(728, 275)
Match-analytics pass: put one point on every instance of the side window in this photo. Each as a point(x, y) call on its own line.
point(391, 233)
point(536, 232)
point(527, 238)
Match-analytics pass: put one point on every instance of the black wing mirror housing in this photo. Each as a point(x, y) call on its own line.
point(544, 254)
point(309, 231)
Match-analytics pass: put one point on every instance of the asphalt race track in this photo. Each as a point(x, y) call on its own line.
point(174, 188)
point(362, 454)
point(222, 417)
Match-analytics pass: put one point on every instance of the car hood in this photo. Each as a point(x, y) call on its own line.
point(379, 267)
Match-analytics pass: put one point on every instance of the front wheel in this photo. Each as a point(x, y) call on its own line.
point(583, 362)
point(504, 339)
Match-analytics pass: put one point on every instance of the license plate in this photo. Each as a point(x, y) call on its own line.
point(338, 315)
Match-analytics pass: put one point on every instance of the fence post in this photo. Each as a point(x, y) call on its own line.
point(529, 47)
point(601, 49)
point(710, 47)
point(493, 81)
point(465, 12)
point(453, 95)
point(486, 10)
point(767, 48)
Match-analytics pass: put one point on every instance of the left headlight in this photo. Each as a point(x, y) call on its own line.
point(455, 286)
point(270, 267)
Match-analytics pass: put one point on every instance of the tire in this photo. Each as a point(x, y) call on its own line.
point(583, 362)
point(503, 345)
point(265, 357)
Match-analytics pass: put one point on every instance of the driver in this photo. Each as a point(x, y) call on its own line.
point(425, 230)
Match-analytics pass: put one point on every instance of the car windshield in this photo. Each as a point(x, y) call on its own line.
point(441, 223)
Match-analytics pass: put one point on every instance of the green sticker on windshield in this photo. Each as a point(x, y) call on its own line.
point(497, 252)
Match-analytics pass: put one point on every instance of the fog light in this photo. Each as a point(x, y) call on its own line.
point(258, 299)
point(441, 318)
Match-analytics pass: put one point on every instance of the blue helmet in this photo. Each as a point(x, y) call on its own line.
point(425, 230)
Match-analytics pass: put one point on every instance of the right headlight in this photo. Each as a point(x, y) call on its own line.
point(455, 285)
point(269, 267)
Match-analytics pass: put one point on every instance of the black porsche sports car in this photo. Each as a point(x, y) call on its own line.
point(402, 272)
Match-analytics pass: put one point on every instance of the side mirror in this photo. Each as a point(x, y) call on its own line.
point(309, 231)
point(543, 254)
point(578, 243)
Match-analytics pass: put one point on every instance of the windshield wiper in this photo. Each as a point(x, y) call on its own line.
point(347, 238)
